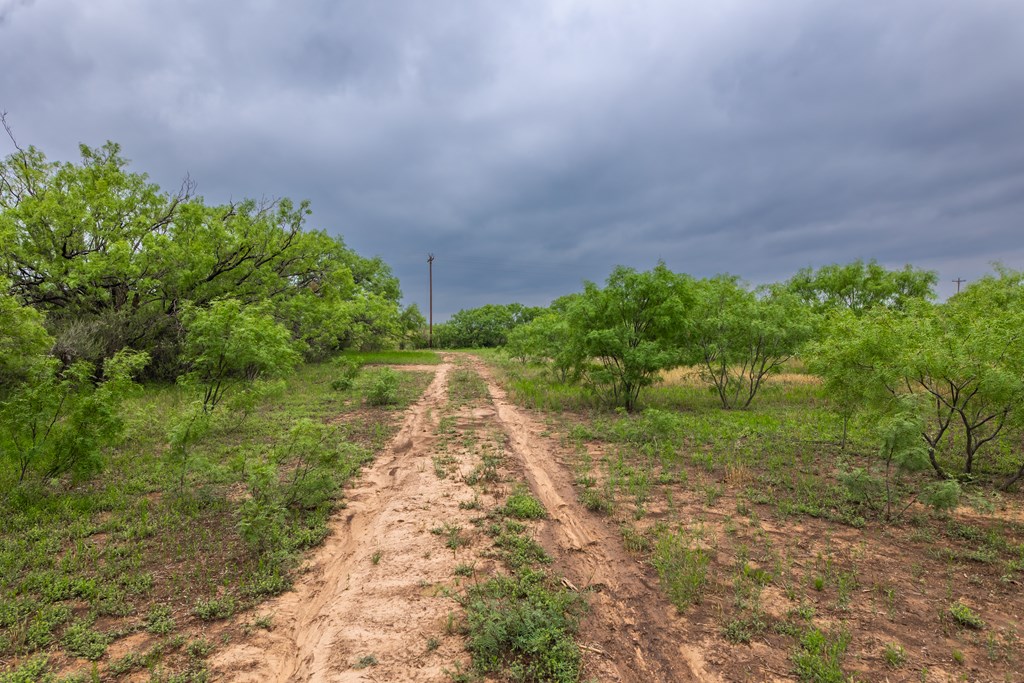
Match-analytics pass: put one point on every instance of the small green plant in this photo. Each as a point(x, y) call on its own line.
point(215, 608)
point(523, 625)
point(634, 541)
point(433, 644)
point(159, 620)
point(464, 570)
point(895, 656)
point(958, 656)
point(522, 505)
point(365, 661)
point(383, 390)
point(347, 370)
point(597, 501)
point(375, 558)
point(682, 569)
point(199, 649)
point(965, 616)
point(80, 639)
point(819, 657)
point(453, 535)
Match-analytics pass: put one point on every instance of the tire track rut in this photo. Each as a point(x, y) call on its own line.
point(633, 623)
point(347, 605)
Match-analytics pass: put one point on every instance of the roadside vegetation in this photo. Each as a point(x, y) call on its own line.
point(137, 569)
point(173, 431)
point(827, 467)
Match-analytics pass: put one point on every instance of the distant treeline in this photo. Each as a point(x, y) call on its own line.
point(926, 375)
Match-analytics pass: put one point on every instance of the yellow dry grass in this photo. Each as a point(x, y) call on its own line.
point(689, 376)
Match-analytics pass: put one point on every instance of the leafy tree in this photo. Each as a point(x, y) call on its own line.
point(56, 421)
point(860, 286)
point(902, 452)
point(228, 345)
point(547, 340)
point(412, 328)
point(23, 340)
point(485, 327)
point(626, 329)
point(740, 336)
point(964, 358)
point(113, 262)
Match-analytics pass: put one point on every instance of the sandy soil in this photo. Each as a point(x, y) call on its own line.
point(374, 588)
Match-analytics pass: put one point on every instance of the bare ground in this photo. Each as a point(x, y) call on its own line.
point(371, 604)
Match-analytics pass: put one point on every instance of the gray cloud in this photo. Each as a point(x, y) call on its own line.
point(534, 145)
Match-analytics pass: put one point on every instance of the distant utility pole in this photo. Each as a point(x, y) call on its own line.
point(958, 281)
point(430, 265)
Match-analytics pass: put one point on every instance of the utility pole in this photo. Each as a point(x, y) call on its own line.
point(430, 265)
point(958, 281)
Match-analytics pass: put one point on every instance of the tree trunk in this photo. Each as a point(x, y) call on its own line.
point(1005, 486)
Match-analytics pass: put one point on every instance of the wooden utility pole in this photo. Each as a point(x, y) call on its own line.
point(430, 265)
point(958, 281)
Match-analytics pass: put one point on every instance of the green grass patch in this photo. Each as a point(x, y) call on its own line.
point(522, 505)
point(393, 357)
point(681, 568)
point(523, 626)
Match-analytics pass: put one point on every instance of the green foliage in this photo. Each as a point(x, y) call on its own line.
point(859, 287)
point(547, 340)
point(32, 671)
point(682, 569)
point(347, 370)
point(213, 609)
point(523, 625)
point(484, 327)
point(895, 656)
point(23, 340)
point(626, 330)
point(82, 640)
point(229, 344)
point(963, 360)
point(965, 616)
point(522, 505)
point(383, 389)
point(113, 262)
point(819, 657)
point(739, 337)
point(159, 621)
point(56, 421)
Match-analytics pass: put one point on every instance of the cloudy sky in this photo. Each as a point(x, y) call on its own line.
point(533, 144)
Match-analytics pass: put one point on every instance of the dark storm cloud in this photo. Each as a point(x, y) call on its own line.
point(532, 145)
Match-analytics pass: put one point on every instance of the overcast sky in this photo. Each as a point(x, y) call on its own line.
point(533, 144)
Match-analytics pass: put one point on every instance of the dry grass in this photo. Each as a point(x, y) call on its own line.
point(689, 376)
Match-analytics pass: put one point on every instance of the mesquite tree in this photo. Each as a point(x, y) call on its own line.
point(738, 337)
point(964, 358)
point(627, 329)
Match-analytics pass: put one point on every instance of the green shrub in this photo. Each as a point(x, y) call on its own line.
point(80, 639)
point(524, 625)
point(965, 616)
point(522, 505)
point(347, 369)
point(159, 620)
point(215, 608)
point(383, 390)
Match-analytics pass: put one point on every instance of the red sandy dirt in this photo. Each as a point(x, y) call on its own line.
point(346, 607)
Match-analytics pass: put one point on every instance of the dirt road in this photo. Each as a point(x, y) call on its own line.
point(372, 604)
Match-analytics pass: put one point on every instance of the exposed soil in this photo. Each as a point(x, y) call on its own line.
point(370, 605)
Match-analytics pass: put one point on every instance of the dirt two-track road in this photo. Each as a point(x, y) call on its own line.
point(375, 601)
